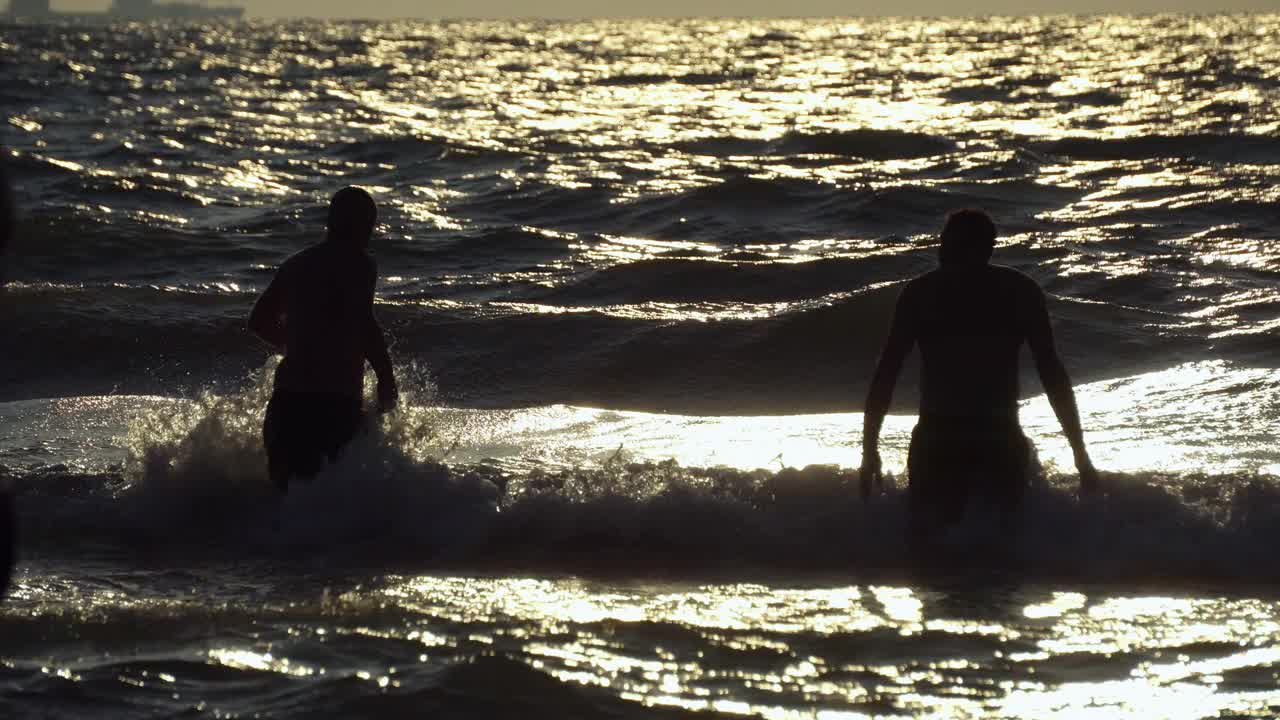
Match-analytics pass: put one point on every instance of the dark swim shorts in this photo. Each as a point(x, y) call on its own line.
point(955, 462)
point(303, 430)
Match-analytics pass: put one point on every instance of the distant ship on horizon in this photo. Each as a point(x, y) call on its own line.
point(128, 10)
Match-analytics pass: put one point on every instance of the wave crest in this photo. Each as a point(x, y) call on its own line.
point(195, 483)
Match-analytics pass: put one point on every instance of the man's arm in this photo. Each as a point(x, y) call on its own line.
point(267, 319)
point(902, 336)
point(375, 351)
point(1057, 385)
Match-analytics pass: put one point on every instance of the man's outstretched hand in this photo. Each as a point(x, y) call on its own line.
point(870, 474)
point(388, 396)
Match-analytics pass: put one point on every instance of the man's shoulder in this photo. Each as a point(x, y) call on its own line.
point(945, 281)
point(304, 256)
point(1012, 274)
point(326, 253)
point(1018, 279)
point(922, 283)
point(917, 291)
point(289, 267)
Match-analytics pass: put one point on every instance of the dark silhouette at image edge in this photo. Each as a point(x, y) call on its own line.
point(8, 522)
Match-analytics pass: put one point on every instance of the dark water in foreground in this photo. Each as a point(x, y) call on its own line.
point(636, 274)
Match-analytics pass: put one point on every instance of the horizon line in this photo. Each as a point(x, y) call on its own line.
point(83, 14)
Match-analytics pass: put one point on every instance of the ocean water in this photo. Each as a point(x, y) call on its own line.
point(636, 275)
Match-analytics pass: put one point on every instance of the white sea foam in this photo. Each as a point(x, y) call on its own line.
point(195, 477)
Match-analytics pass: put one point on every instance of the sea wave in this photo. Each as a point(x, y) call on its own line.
point(494, 248)
point(194, 485)
point(420, 157)
point(802, 353)
point(869, 144)
point(683, 280)
point(547, 239)
point(1236, 147)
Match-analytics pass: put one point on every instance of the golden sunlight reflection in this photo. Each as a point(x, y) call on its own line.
point(649, 181)
point(670, 311)
point(1136, 699)
point(1173, 433)
point(736, 607)
point(1152, 656)
point(1062, 603)
point(900, 604)
point(1172, 436)
point(249, 175)
point(241, 659)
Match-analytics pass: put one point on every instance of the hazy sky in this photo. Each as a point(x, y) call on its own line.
point(736, 8)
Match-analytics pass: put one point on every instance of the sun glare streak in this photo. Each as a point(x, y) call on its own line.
point(595, 649)
point(1176, 397)
point(263, 662)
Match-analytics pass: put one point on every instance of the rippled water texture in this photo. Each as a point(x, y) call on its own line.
point(502, 647)
point(617, 186)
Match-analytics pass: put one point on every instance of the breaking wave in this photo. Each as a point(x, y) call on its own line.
point(194, 484)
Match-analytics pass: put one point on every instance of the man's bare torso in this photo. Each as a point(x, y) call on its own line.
point(328, 301)
point(970, 325)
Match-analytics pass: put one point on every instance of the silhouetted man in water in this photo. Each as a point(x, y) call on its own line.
point(318, 311)
point(970, 319)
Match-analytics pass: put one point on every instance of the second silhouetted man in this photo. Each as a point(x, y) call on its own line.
point(970, 319)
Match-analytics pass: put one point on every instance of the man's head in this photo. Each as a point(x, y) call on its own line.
point(968, 239)
point(352, 216)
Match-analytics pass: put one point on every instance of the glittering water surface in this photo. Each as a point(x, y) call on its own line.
point(636, 275)
point(406, 644)
point(696, 208)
